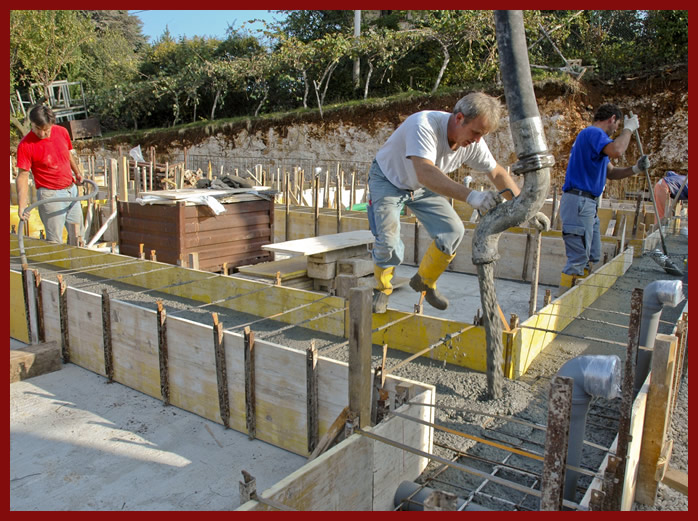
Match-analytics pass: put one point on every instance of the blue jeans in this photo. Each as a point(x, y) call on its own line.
point(56, 216)
point(580, 232)
point(434, 211)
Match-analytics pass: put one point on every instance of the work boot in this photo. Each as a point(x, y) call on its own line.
point(567, 281)
point(433, 264)
point(380, 301)
point(383, 287)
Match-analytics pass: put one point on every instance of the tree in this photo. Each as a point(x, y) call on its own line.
point(295, 55)
point(310, 25)
point(47, 42)
point(326, 54)
point(383, 48)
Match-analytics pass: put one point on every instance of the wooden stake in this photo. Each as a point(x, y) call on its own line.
point(250, 398)
point(312, 399)
point(556, 442)
point(106, 336)
point(316, 203)
point(360, 343)
point(41, 333)
point(63, 307)
point(287, 198)
point(163, 357)
point(533, 300)
point(221, 371)
point(340, 183)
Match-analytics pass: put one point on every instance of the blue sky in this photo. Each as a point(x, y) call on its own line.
point(196, 23)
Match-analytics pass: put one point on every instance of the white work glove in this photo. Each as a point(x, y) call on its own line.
point(631, 123)
point(540, 222)
point(483, 201)
point(642, 165)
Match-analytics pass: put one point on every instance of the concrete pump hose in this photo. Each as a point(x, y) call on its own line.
point(28, 209)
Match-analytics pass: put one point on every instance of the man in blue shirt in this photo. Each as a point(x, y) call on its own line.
point(588, 169)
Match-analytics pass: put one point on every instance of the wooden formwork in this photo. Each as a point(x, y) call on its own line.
point(649, 448)
point(410, 333)
point(515, 246)
point(180, 362)
point(357, 474)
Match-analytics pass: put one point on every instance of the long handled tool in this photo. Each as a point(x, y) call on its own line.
point(665, 262)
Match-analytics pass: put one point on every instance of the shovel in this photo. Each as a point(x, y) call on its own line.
point(663, 260)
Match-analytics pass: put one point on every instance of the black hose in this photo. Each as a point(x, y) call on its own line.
point(28, 209)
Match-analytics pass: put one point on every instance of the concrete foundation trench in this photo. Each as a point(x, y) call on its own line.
point(455, 448)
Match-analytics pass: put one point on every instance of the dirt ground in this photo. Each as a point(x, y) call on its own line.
point(460, 393)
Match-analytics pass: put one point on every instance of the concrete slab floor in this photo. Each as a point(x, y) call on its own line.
point(463, 292)
point(80, 443)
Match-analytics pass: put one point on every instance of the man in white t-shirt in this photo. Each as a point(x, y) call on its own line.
point(411, 170)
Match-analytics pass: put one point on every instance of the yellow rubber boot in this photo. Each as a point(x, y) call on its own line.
point(433, 264)
point(566, 282)
point(383, 287)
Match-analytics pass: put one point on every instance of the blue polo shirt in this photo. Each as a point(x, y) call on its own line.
point(587, 167)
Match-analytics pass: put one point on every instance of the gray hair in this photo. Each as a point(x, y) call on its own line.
point(480, 104)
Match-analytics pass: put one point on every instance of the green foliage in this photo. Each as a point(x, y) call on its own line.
point(307, 59)
point(46, 42)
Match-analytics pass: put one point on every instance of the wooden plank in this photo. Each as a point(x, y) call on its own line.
point(322, 243)
point(359, 474)
point(290, 268)
point(676, 479)
point(360, 354)
point(657, 417)
point(332, 433)
point(34, 360)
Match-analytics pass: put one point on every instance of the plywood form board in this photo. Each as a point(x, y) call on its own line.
point(340, 479)
point(280, 372)
point(302, 223)
point(410, 335)
point(420, 331)
point(18, 316)
point(322, 243)
point(359, 474)
point(254, 297)
point(84, 324)
point(393, 465)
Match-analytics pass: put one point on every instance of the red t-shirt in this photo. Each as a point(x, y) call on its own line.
point(48, 159)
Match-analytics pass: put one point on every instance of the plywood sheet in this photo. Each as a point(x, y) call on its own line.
point(322, 243)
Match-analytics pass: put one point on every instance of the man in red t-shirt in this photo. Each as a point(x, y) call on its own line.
point(47, 152)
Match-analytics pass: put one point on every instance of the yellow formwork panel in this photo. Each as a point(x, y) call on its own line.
point(529, 342)
point(417, 332)
point(289, 305)
point(410, 333)
point(18, 315)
